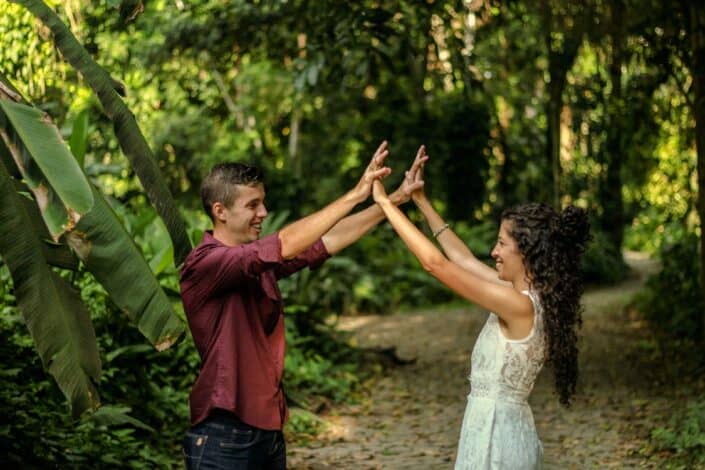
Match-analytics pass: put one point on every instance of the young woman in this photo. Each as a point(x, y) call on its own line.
point(535, 296)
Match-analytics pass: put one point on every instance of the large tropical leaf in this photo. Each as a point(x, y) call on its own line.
point(110, 254)
point(56, 254)
point(79, 135)
point(57, 320)
point(49, 169)
point(132, 142)
point(101, 242)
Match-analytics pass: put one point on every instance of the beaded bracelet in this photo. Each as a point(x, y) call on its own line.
point(440, 230)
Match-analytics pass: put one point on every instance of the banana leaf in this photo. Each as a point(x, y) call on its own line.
point(57, 320)
point(56, 254)
point(110, 254)
point(101, 242)
point(132, 141)
point(79, 135)
point(51, 172)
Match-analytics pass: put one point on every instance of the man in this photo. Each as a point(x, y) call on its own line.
point(234, 309)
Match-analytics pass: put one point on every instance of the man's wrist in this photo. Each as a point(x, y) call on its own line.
point(355, 196)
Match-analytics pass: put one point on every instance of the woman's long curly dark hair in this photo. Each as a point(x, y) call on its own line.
point(551, 244)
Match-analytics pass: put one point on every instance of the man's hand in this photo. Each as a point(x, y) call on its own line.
point(413, 180)
point(374, 172)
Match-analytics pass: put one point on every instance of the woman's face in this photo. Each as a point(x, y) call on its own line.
point(508, 259)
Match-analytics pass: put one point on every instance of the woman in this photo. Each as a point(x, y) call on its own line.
point(535, 296)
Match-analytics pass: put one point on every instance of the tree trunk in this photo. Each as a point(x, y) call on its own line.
point(294, 154)
point(553, 133)
point(613, 205)
point(505, 197)
point(559, 62)
point(697, 29)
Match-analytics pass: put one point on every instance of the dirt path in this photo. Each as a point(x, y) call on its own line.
point(412, 415)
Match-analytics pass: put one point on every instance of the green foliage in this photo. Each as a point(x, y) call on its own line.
point(602, 261)
point(684, 436)
point(308, 93)
point(327, 370)
point(303, 425)
point(673, 302)
point(480, 237)
point(151, 389)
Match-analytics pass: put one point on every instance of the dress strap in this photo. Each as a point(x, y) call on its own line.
point(534, 300)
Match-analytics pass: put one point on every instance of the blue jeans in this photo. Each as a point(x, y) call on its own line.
point(222, 441)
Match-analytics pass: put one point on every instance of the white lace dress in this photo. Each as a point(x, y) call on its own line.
point(498, 427)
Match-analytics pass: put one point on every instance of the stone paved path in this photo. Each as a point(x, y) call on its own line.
point(412, 414)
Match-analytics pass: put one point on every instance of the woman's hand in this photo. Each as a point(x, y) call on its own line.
point(379, 193)
point(415, 174)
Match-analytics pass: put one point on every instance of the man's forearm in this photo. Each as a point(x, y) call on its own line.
point(301, 234)
point(353, 227)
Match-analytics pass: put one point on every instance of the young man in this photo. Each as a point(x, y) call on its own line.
point(234, 309)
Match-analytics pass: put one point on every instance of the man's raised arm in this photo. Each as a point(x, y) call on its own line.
point(353, 227)
point(301, 234)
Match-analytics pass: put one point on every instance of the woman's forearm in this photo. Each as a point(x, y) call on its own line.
point(453, 246)
point(426, 252)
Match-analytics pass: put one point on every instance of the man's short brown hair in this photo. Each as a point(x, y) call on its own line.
point(220, 183)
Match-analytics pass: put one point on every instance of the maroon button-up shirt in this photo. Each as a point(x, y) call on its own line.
point(234, 309)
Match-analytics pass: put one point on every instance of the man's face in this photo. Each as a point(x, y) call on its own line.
point(243, 219)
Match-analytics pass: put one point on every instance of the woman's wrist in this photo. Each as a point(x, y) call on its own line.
point(440, 230)
point(384, 202)
point(421, 202)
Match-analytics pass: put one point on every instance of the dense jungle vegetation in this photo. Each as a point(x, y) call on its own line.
point(112, 111)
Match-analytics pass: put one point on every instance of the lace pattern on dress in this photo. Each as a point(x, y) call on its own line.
point(498, 428)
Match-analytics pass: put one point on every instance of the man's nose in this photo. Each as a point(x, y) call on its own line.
point(262, 212)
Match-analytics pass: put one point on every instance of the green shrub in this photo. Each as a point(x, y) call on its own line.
point(480, 238)
point(602, 262)
point(326, 370)
point(684, 435)
point(673, 301)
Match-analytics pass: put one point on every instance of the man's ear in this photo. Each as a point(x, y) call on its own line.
point(218, 211)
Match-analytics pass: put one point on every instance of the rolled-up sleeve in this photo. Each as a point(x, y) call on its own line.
point(312, 257)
